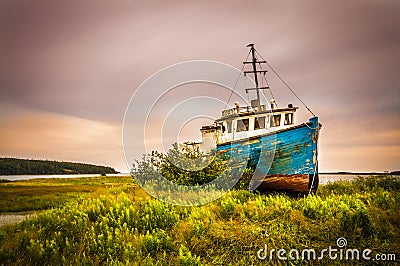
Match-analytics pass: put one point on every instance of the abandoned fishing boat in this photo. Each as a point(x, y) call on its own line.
point(282, 154)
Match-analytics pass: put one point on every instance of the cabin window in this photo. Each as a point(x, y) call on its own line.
point(229, 126)
point(242, 125)
point(289, 119)
point(223, 128)
point(276, 121)
point(259, 122)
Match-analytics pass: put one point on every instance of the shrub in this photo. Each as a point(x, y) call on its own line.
point(155, 242)
point(175, 166)
point(228, 205)
point(186, 258)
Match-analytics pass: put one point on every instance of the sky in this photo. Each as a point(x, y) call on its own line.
point(69, 68)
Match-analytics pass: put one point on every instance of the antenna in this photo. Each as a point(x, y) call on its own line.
point(254, 63)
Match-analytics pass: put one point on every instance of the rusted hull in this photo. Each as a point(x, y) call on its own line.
point(285, 160)
point(297, 183)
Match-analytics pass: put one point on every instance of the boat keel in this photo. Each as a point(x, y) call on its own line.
point(297, 183)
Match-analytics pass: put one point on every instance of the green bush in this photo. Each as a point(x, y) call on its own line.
point(180, 167)
point(186, 258)
point(155, 242)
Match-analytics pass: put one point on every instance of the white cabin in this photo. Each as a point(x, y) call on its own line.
point(245, 122)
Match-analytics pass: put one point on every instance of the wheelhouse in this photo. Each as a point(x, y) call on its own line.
point(244, 122)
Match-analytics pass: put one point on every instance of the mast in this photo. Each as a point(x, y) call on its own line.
point(254, 63)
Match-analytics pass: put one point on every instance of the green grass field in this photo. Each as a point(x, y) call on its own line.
point(40, 194)
point(92, 221)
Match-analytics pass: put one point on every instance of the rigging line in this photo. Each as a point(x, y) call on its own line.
point(237, 80)
point(266, 84)
point(248, 94)
point(270, 89)
point(272, 95)
point(284, 82)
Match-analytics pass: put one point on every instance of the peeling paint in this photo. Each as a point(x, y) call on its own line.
point(294, 151)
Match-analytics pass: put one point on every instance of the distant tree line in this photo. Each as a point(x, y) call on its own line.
point(14, 166)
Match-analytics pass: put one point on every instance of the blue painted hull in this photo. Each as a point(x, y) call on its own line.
point(283, 160)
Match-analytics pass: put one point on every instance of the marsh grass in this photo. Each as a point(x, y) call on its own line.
point(41, 194)
point(119, 224)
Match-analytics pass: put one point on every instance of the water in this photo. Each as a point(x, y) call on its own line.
point(323, 178)
point(28, 177)
point(12, 218)
point(328, 178)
